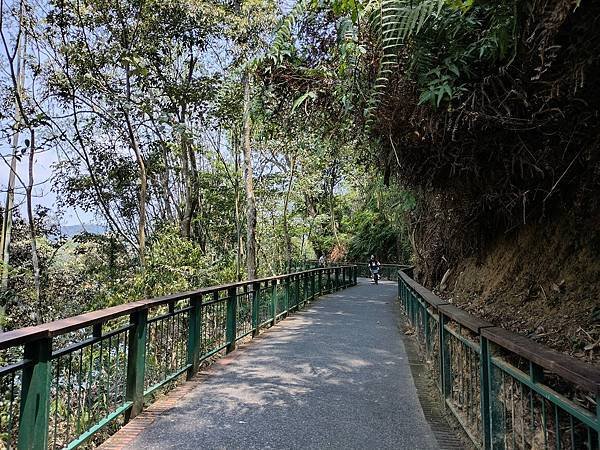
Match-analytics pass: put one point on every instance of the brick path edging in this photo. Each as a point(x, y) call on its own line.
point(126, 435)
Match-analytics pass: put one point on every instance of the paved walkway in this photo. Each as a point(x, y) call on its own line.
point(333, 376)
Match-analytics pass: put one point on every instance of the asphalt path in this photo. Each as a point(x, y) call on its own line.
point(334, 375)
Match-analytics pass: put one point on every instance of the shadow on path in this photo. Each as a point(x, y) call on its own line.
point(332, 376)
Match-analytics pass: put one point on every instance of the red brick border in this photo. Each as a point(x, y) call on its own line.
point(128, 434)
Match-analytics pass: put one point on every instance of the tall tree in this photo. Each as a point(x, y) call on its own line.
point(14, 57)
point(249, 183)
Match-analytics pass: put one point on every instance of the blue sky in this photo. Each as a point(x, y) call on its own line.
point(44, 160)
point(43, 194)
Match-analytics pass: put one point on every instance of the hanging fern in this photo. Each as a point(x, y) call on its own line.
point(283, 43)
point(392, 22)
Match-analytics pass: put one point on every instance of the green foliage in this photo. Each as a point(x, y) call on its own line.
point(379, 224)
point(146, 113)
point(282, 46)
point(174, 264)
point(391, 23)
point(444, 41)
point(438, 44)
point(373, 235)
point(304, 97)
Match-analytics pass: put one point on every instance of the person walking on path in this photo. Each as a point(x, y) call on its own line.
point(374, 266)
point(322, 261)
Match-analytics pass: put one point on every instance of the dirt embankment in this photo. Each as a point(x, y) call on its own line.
point(542, 281)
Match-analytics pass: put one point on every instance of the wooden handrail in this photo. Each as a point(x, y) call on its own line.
point(62, 326)
point(475, 324)
point(565, 366)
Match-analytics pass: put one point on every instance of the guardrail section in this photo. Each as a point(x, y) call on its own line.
point(63, 382)
point(507, 391)
point(386, 271)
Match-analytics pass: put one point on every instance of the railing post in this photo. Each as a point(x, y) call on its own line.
point(136, 362)
point(255, 307)
point(496, 425)
point(426, 328)
point(194, 333)
point(536, 373)
point(403, 295)
point(418, 315)
point(274, 302)
point(337, 278)
point(297, 291)
point(401, 292)
point(444, 359)
point(292, 294)
point(35, 395)
point(286, 297)
point(312, 286)
point(231, 333)
point(355, 270)
point(305, 295)
point(484, 373)
point(320, 282)
point(413, 306)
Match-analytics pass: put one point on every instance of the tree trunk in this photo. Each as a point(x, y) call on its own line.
point(143, 196)
point(8, 215)
point(286, 230)
point(143, 176)
point(143, 190)
point(185, 220)
point(332, 210)
point(7, 227)
point(248, 176)
point(194, 181)
point(165, 181)
point(238, 222)
point(189, 171)
point(32, 233)
point(10, 192)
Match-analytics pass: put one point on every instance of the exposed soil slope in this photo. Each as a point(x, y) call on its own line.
point(543, 282)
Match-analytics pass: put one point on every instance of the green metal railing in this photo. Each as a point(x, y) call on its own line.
point(507, 391)
point(386, 271)
point(65, 382)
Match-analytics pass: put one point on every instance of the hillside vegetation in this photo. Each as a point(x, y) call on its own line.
point(487, 112)
point(225, 140)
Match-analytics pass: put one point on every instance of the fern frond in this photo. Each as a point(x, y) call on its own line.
point(392, 23)
point(283, 36)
